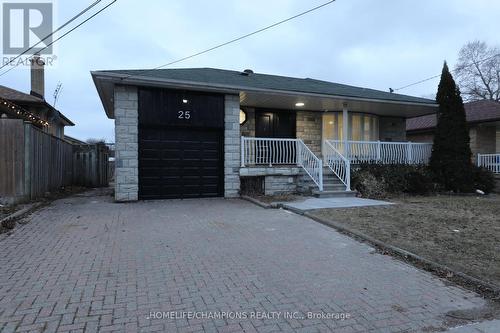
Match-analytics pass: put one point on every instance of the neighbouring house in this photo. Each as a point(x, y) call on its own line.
point(33, 107)
point(204, 132)
point(483, 119)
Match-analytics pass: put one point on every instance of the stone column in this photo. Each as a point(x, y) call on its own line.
point(232, 146)
point(126, 144)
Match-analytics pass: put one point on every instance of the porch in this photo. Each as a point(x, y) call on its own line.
point(336, 158)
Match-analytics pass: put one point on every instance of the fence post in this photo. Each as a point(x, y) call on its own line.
point(28, 142)
point(242, 151)
point(379, 148)
point(409, 152)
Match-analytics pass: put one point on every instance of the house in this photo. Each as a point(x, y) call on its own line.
point(204, 132)
point(483, 119)
point(33, 106)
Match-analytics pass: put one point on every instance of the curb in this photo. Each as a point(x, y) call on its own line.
point(257, 202)
point(460, 278)
point(20, 213)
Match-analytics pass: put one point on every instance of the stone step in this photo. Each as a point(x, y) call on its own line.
point(333, 187)
point(334, 194)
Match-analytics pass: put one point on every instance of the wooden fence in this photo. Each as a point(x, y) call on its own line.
point(90, 165)
point(33, 163)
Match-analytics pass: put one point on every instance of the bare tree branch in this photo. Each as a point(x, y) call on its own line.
point(478, 71)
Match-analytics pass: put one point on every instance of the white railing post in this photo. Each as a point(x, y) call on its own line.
point(321, 175)
point(379, 150)
point(409, 155)
point(298, 153)
point(242, 151)
point(479, 160)
point(348, 176)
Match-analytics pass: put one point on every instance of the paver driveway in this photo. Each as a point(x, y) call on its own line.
point(85, 263)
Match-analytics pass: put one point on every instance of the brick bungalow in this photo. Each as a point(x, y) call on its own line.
point(483, 119)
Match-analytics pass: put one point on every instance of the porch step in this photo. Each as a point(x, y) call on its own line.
point(334, 194)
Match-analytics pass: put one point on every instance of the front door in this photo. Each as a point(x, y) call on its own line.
point(275, 124)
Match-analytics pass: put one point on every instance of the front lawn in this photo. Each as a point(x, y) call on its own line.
point(462, 233)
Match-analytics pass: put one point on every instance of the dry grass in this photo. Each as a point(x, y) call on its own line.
point(460, 232)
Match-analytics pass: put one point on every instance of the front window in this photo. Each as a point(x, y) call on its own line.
point(362, 127)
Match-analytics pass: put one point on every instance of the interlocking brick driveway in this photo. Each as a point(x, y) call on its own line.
point(87, 264)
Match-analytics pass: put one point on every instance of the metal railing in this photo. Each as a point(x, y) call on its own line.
point(340, 165)
point(311, 164)
point(489, 161)
point(384, 152)
point(272, 151)
point(268, 151)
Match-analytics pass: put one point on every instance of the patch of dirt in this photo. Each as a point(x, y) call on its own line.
point(462, 233)
point(276, 198)
point(10, 209)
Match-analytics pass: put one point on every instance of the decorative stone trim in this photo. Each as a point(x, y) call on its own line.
point(232, 146)
point(127, 145)
point(269, 171)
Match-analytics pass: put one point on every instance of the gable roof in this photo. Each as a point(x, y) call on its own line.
point(475, 112)
point(20, 98)
point(242, 80)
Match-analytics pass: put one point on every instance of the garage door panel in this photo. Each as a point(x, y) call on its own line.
point(180, 163)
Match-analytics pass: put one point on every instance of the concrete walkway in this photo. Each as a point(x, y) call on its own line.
point(323, 203)
point(86, 264)
point(492, 326)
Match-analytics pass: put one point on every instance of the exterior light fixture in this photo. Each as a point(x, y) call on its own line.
point(185, 101)
point(299, 104)
point(243, 117)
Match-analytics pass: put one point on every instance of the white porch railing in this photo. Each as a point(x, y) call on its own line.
point(489, 161)
point(311, 164)
point(271, 151)
point(384, 152)
point(340, 165)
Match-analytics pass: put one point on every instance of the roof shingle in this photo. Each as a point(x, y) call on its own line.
point(213, 76)
point(479, 111)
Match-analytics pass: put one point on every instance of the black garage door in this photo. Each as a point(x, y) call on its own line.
point(180, 144)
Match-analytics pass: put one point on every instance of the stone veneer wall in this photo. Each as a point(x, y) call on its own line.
point(392, 128)
point(126, 140)
point(309, 128)
point(232, 146)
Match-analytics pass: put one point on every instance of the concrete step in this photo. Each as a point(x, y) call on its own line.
point(333, 187)
point(334, 194)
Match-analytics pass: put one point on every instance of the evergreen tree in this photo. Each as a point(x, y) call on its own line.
point(451, 155)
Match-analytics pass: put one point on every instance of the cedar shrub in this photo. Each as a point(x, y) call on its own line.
point(451, 155)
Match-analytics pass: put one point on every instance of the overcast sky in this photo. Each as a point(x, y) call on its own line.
point(370, 43)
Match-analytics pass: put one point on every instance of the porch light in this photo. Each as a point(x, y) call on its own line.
point(299, 104)
point(185, 101)
point(243, 117)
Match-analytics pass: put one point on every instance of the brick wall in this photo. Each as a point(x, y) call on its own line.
point(309, 126)
point(126, 139)
point(482, 140)
point(232, 146)
point(420, 137)
point(392, 129)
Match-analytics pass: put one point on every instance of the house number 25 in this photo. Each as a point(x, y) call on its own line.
point(184, 114)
